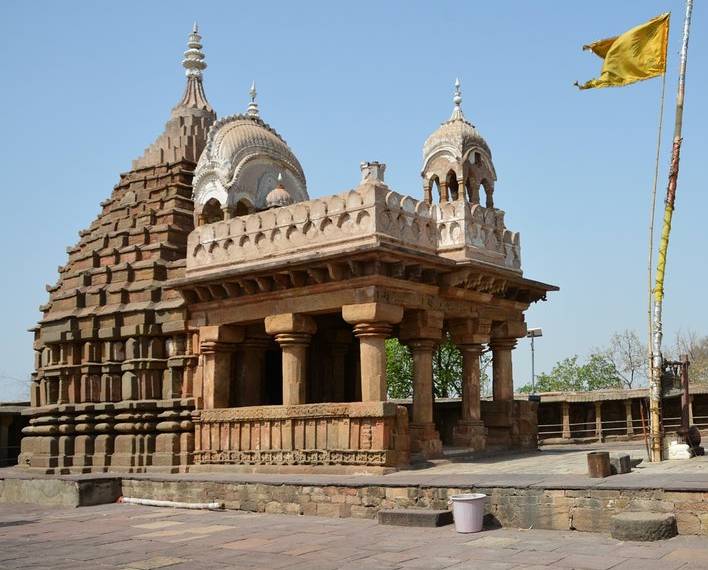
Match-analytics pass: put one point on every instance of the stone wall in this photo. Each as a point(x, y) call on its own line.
point(587, 510)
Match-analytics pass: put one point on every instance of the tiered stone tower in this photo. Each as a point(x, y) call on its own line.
point(114, 360)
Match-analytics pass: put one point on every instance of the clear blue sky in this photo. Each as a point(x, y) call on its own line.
point(87, 86)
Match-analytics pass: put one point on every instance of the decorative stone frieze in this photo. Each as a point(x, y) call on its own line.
point(366, 433)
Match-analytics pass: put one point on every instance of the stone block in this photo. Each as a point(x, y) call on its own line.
point(643, 527)
point(415, 517)
point(620, 463)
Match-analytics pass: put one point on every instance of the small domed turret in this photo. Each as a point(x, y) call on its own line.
point(278, 196)
point(457, 160)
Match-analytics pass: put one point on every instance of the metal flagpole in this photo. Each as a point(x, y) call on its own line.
point(656, 370)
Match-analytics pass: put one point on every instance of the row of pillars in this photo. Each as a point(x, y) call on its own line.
point(372, 324)
point(566, 432)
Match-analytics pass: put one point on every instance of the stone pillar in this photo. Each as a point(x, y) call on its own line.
point(251, 371)
point(292, 332)
point(598, 420)
point(469, 335)
point(444, 193)
point(372, 326)
point(502, 369)
point(461, 190)
point(217, 345)
point(421, 331)
point(565, 413)
point(427, 194)
point(630, 419)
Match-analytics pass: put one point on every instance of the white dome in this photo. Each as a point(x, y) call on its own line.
point(241, 161)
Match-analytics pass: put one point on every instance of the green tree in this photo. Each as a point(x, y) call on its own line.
point(569, 376)
point(447, 369)
point(399, 369)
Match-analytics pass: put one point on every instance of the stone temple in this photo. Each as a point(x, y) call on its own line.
point(213, 316)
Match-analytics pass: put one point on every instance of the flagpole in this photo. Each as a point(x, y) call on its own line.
point(652, 215)
point(657, 360)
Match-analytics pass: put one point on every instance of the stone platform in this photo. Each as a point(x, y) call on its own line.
point(544, 490)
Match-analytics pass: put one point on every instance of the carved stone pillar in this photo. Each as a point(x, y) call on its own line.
point(444, 193)
point(502, 369)
point(427, 194)
point(217, 345)
point(469, 335)
point(292, 332)
point(565, 413)
point(628, 414)
point(372, 325)
point(461, 189)
point(421, 331)
point(598, 420)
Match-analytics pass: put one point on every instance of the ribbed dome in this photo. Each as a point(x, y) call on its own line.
point(234, 138)
point(241, 161)
point(457, 136)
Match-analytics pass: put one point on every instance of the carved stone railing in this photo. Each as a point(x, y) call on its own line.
point(360, 433)
point(369, 215)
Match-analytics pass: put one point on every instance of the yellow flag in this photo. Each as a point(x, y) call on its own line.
point(634, 56)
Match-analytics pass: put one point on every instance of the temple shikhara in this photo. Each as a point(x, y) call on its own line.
point(214, 316)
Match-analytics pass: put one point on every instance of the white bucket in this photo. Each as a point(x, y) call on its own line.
point(468, 511)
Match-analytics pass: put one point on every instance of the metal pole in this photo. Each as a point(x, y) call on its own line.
point(657, 363)
point(533, 368)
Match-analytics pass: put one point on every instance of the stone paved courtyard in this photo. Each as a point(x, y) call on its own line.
point(142, 538)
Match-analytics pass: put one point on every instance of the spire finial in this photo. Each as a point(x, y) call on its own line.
point(193, 60)
point(457, 100)
point(280, 178)
point(252, 110)
point(194, 64)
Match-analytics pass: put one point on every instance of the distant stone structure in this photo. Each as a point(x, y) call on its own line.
point(213, 316)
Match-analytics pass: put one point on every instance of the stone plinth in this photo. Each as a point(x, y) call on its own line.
point(359, 433)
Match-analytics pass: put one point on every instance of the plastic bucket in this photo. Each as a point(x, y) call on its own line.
point(468, 511)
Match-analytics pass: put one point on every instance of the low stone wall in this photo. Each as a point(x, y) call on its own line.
point(60, 492)
point(351, 434)
point(587, 510)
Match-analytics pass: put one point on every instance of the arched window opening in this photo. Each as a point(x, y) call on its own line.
point(472, 189)
point(211, 212)
point(488, 193)
point(452, 186)
point(435, 186)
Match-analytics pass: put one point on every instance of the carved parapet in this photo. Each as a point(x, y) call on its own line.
point(122, 436)
point(368, 215)
point(360, 433)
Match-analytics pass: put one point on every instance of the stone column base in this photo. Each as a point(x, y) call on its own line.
point(471, 434)
point(425, 440)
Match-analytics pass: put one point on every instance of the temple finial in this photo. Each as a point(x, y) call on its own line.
point(252, 110)
point(194, 64)
point(193, 60)
point(457, 100)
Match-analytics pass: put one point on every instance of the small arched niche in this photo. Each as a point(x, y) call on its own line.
point(212, 212)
